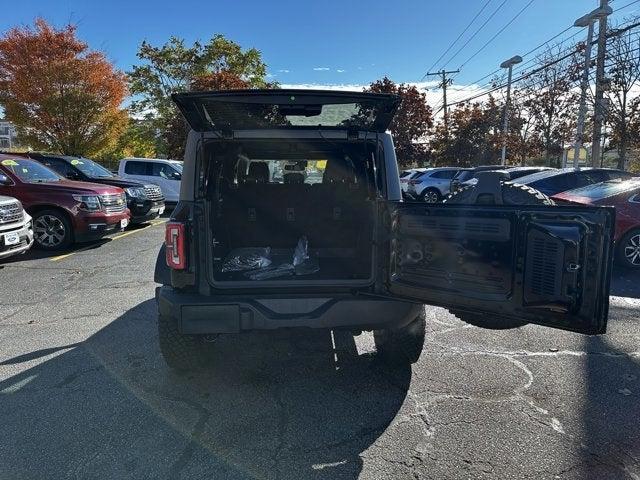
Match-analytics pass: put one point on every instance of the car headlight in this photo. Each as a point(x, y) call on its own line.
point(136, 192)
point(90, 203)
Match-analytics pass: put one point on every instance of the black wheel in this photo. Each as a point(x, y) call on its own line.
point(51, 230)
point(180, 352)
point(431, 195)
point(628, 249)
point(402, 346)
point(512, 194)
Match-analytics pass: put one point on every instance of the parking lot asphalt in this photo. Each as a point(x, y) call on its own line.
point(84, 392)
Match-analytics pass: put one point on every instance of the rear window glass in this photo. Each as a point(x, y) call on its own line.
point(444, 174)
point(286, 171)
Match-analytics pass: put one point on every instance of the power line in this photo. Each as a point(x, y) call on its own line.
point(614, 33)
point(498, 33)
point(490, 74)
point(625, 6)
point(474, 34)
point(459, 36)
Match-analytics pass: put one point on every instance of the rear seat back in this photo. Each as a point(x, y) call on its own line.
point(330, 214)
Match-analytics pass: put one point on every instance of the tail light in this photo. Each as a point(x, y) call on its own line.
point(414, 182)
point(175, 245)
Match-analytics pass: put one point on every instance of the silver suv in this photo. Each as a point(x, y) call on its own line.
point(16, 232)
point(248, 250)
point(432, 185)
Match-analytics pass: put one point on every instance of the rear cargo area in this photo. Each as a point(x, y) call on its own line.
point(291, 211)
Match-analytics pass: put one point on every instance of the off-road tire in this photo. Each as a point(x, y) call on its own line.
point(512, 194)
point(621, 258)
point(181, 352)
point(401, 346)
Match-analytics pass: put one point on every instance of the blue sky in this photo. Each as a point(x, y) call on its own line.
point(322, 42)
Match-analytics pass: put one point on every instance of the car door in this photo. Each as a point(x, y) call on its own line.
point(167, 178)
point(545, 265)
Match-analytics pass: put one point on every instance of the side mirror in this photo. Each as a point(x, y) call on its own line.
point(4, 180)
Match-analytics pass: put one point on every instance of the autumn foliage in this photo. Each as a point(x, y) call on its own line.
point(62, 96)
point(412, 121)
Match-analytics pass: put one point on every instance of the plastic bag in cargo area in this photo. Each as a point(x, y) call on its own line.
point(242, 259)
point(302, 263)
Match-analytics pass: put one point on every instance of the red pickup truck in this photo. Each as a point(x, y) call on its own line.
point(63, 211)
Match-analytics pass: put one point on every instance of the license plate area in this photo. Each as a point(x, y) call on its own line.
point(12, 238)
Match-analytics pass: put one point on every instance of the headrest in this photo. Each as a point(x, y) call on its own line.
point(339, 170)
point(258, 173)
point(293, 178)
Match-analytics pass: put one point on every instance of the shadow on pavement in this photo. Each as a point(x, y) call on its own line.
point(625, 282)
point(611, 426)
point(273, 405)
point(36, 254)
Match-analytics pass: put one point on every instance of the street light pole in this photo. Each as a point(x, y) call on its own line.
point(505, 127)
point(585, 21)
point(599, 113)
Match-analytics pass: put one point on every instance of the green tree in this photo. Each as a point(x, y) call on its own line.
point(175, 67)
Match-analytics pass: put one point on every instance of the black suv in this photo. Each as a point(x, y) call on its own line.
point(145, 202)
point(291, 215)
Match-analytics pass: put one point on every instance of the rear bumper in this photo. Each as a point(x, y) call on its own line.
point(92, 226)
point(198, 314)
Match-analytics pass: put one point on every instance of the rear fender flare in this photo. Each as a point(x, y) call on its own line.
point(162, 273)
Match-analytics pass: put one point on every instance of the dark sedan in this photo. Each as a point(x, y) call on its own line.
point(551, 182)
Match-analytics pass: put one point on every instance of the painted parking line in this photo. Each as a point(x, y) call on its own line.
point(117, 237)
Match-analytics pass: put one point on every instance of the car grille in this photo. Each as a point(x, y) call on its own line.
point(153, 192)
point(11, 212)
point(113, 203)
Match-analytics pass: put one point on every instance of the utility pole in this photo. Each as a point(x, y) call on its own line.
point(505, 127)
point(445, 82)
point(599, 110)
point(585, 21)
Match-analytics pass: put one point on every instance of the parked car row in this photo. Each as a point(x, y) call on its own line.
point(587, 186)
point(53, 201)
point(432, 185)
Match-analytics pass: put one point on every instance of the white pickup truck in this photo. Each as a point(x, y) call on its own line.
point(158, 171)
point(16, 231)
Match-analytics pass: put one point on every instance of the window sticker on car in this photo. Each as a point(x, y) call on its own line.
point(9, 163)
point(76, 162)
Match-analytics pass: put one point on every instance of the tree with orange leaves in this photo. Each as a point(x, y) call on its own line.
point(62, 96)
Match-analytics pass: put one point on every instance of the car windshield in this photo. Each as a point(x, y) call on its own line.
point(90, 168)
point(30, 171)
point(598, 191)
point(177, 166)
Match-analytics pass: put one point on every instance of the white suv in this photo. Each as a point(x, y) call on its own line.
point(432, 184)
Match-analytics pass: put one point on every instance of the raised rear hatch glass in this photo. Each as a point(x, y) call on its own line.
point(259, 109)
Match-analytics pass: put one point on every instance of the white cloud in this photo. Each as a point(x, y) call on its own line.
point(321, 69)
point(284, 70)
point(340, 71)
